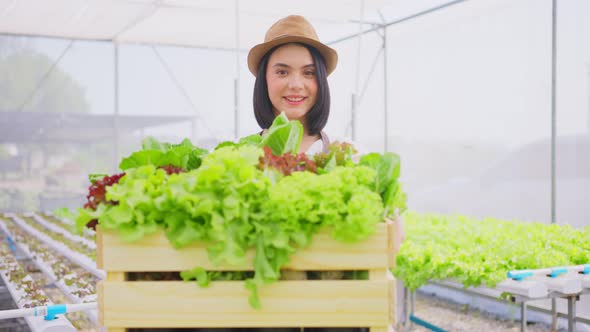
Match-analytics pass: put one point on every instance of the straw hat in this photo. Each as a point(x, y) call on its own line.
point(291, 29)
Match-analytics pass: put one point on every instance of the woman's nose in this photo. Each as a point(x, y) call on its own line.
point(296, 82)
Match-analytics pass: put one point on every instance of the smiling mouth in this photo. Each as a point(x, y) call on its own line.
point(294, 100)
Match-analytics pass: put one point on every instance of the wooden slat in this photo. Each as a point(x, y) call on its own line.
point(341, 303)
point(378, 274)
point(392, 300)
point(100, 300)
point(114, 277)
point(154, 253)
point(99, 251)
point(384, 274)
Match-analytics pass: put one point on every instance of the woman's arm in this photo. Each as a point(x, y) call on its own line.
point(399, 232)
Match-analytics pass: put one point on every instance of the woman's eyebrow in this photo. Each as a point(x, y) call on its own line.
point(281, 65)
point(287, 66)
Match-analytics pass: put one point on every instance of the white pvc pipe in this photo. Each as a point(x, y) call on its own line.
point(56, 229)
point(75, 257)
point(16, 313)
point(42, 310)
point(38, 324)
point(81, 307)
point(548, 271)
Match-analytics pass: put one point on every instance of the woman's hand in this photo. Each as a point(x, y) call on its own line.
point(399, 233)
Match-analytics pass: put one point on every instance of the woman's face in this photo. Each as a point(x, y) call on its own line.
point(291, 79)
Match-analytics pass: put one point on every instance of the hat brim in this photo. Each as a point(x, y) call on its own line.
point(257, 52)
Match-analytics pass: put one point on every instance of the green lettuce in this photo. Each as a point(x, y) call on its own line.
point(283, 136)
point(387, 166)
point(184, 155)
point(480, 252)
point(228, 200)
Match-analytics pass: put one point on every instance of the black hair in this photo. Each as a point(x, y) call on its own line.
point(317, 117)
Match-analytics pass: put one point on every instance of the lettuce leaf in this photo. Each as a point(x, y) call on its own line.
point(253, 140)
point(283, 136)
point(184, 155)
point(387, 166)
point(96, 177)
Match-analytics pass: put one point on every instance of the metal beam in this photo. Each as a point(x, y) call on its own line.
point(143, 16)
point(44, 77)
point(468, 291)
point(355, 96)
point(110, 40)
point(237, 79)
point(116, 108)
point(183, 91)
point(407, 18)
point(361, 95)
point(385, 88)
point(553, 106)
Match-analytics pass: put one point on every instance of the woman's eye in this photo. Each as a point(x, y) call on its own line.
point(281, 72)
point(310, 73)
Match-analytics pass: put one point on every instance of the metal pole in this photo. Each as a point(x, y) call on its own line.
point(459, 288)
point(44, 78)
point(353, 103)
point(523, 318)
point(406, 307)
point(588, 123)
point(360, 96)
point(183, 91)
point(412, 302)
point(116, 113)
point(355, 99)
point(385, 95)
point(553, 314)
point(237, 79)
point(553, 104)
point(195, 130)
point(571, 313)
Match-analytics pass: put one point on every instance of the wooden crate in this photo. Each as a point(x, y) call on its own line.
point(287, 303)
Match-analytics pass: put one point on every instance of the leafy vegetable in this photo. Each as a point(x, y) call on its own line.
point(299, 205)
point(339, 154)
point(251, 140)
point(150, 143)
point(64, 213)
point(283, 136)
point(135, 215)
point(97, 191)
point(184, 155)
point(256, 194)
point(287, 163)
point(96, 177)
point(480, 252)
point(387, 166)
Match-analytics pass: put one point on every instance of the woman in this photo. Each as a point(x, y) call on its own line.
point(291, 69)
